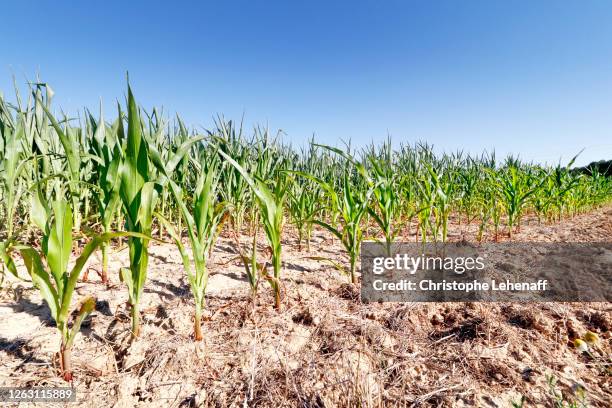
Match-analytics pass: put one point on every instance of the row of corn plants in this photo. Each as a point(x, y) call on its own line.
point(71, 185)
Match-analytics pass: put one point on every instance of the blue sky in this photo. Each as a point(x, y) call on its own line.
point(532, 78)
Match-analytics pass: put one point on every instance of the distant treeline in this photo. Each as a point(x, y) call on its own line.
point(603, 167)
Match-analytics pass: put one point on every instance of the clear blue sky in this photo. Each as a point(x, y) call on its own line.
point(533, 78)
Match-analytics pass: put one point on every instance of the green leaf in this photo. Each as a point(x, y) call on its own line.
point(260, 189)
point(40, 278)
point(148, 198)
point(177, 240)
point(125, 276)
point(7, 261)
point(181, 152)
point(72, 154)
point(329, 228)
point(39, 210)
point(58, 242)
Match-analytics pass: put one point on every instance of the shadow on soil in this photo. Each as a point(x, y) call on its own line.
point(19, 349)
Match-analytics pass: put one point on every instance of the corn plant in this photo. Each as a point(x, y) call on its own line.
point(139, 190)
point(55, 283)
point(426, 203)
point(270, 203)
point(203, 215)
point(469, 179)
point(350, 206)
point(303, 200)
point(444, 185)
point(515, 191)
point(563, 183)
point(386, 197)
point(138, 193)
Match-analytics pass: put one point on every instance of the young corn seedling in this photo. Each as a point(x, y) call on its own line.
point(353, 208)
point(270, 203)
point(407, 210)
point(426, 202)
point(55, 283)
point(203, 215)
point(139, 190)
point(385, 211)
point(469, 181)
point(350, 208)
point(302, 206)
point(254, 270)
point(563, 182)
point(515, 191)
point(138, 193)
point(444, 185)
point(490, 208)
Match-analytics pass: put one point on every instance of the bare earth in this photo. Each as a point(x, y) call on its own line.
point(324, 349)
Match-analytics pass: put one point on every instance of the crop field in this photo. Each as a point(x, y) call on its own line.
point(150, 264)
